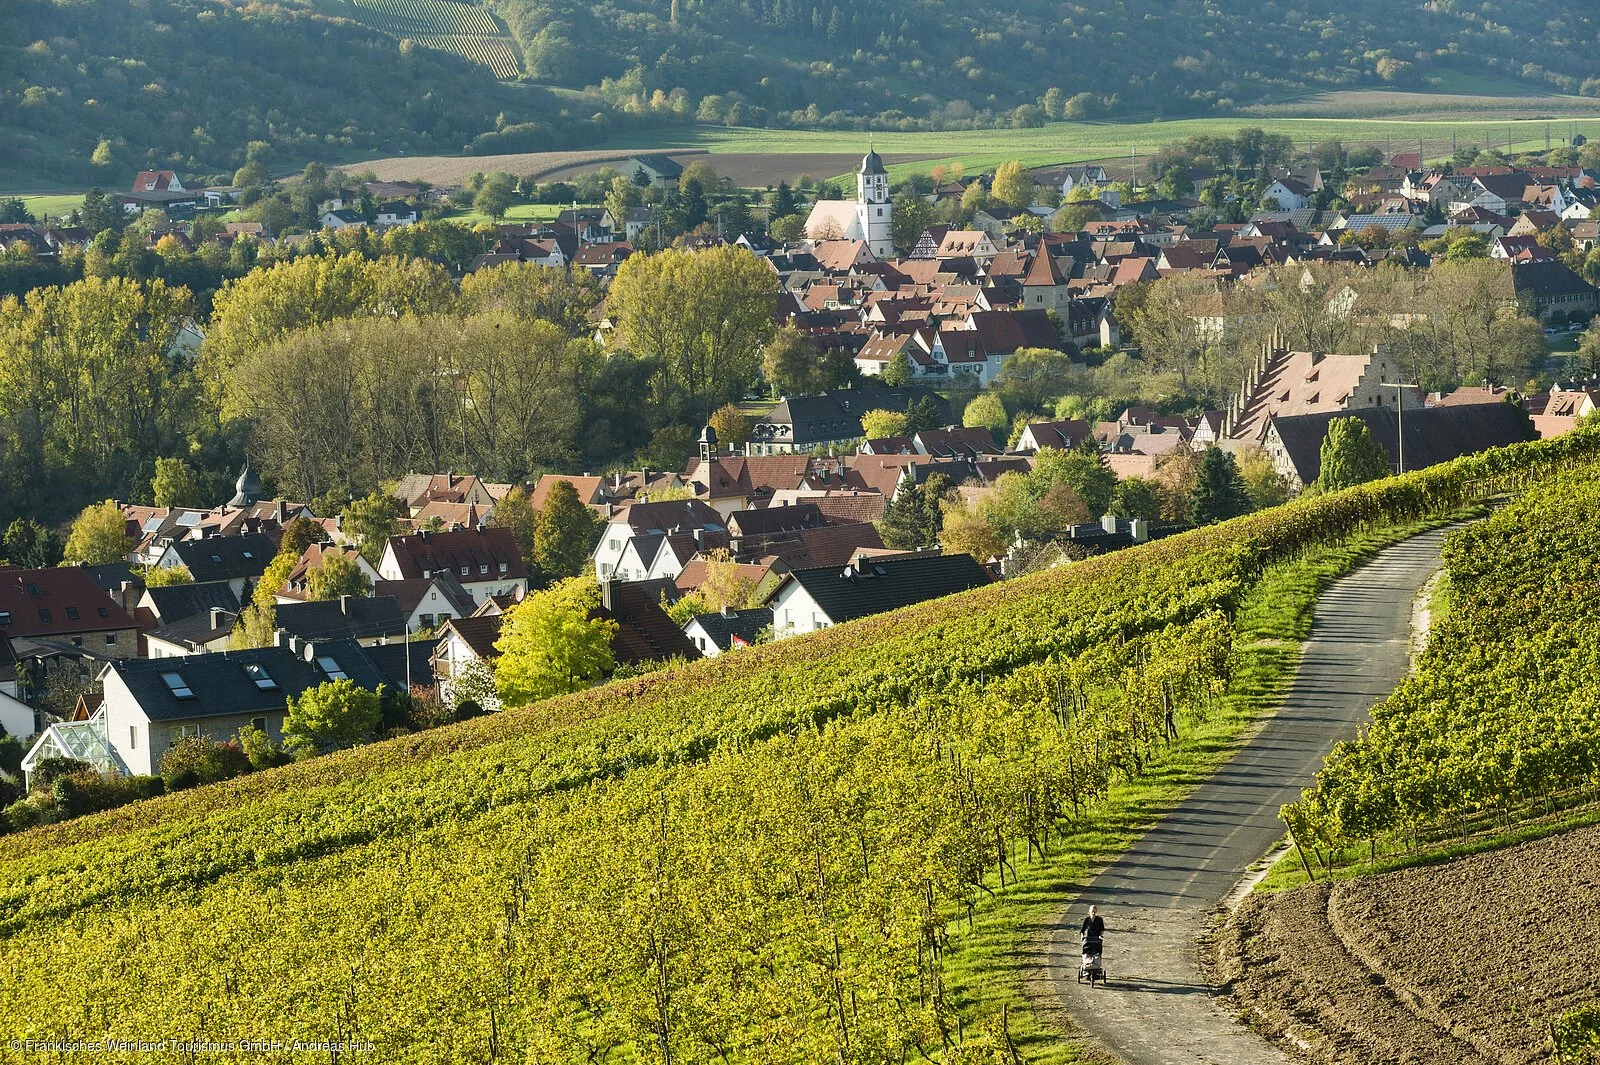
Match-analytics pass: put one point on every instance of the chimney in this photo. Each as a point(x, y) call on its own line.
point(216, 618)
point(283, 512)
point(607, 594)
point(280, 638)
point(1108, 522)
point(1140, 529)
point(727, 611)
point(344, 605)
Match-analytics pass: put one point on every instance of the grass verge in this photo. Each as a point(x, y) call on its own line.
point(990, 964)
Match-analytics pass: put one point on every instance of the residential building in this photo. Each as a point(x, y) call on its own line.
point(62, 608)
point(811, 599)
point(715, 634)
point(485, 560)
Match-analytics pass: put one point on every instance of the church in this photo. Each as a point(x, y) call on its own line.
point(867, 219)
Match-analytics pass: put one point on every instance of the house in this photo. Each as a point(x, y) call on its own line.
point(1432, 435)
point(485, 560)
point(365, 619)
point(395, 213)
point(62, 608)
point(416, 490)
point(297, 587)
point(1285, 383)
point(1289, 193)
point(1551, 288)
point(715, 634)
point(163, 606)
point(956, 442)
point(1073, 177)
point(17, 718)
point(157, 181)
point(342, 219)
point(731, 483)
point(811, 599)
point(632, 542)
point(237, 561)
point(972, 244)
point(462, 643)
point(1062, 435)
point(602, 259)
point(593, 225)
point(833, 419)
point(659, 171)
point(644, 631)
point(151, 704)
point(427, 601)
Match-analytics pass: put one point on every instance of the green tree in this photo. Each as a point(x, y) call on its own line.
point(1013, 185)
point(923, 414)
point(332, 716)
point(912, 215)
point(731, 424)
point(252, 175)
point(370, 521)
point(1085, 472)
point(897, 374)
point(99, 535)
point(515, 512)
point(1219, 492)
point(703, 317)
point(166, 576)
point(905, 526)
point(565, 533)
point(1136, 497)
point(175, 484)
point(553, 642)
point(986, 410)
point(790, 362)
point(496, 195)
point(31, 545)
point(300, 534)
point(337, 576)
point(1350, 456)
point(877, 424)
point(1267, 487)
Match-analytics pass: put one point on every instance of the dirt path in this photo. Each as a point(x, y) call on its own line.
point(1160, 1009)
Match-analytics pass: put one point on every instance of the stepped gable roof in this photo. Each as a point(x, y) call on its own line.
point(55, 601)
point(228, 683)
point(174, 602)
point(873, 586)
point(644, 631)
point(722, 627)
point(1299, 382)
point(348, 617)
point(1432, 434)
point(423, 554)
point(226, 558)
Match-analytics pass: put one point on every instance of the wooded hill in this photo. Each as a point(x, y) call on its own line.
point(188, 84)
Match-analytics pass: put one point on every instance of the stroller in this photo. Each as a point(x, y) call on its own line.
point(1091, 967)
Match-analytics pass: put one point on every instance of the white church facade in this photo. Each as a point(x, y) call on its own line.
point(867, 219)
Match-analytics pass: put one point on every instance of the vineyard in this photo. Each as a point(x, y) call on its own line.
point(455, 26)
point(1501, 719)
point(759, 857)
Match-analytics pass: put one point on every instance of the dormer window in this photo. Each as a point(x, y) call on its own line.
point(327, 664)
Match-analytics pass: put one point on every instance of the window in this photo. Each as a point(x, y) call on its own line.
point(133, 737)
point(104, 612)
point(111, 639)
point(5, 617)
point(185, 732)
point(33, 589)
point(248, 555)
point(77, 641)
point(258, 673)
point(466, 571)
point(44, 615)
point(331, 668)
point(216, 558)
point(72, 612)
point(483, 567)
point(502, 567)
point(259, 722)
point(176, 685)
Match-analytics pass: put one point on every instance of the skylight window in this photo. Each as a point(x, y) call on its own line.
point(258, 673)
point(176, 685)
point(72, 613)
point(216, 558)
point(44, 615)
point(331, 668)
point(5, 617)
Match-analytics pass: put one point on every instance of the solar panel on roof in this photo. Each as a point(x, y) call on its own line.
point(151, 525)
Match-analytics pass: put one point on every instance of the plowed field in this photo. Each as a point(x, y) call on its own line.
point(1465, 962)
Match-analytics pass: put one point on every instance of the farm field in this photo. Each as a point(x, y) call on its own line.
point(518, 212)
point(1469, 961)
point(1057, 142)
point(53, 204)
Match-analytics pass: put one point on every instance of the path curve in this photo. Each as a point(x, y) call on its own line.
point(1156, 898)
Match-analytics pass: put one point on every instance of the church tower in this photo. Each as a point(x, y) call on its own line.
point(873, 209)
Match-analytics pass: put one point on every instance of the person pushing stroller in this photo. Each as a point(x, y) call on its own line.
point(1092, 935)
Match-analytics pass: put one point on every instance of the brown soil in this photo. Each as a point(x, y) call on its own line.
point(747, 169)
point(1465, 962)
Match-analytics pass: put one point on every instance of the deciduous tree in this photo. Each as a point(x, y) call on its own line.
point(333, 715)
point(337, 576)
point(1350, 456)
point(99, 535)
point(565, 532)
point(552, 643)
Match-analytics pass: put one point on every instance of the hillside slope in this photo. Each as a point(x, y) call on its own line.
point(755, 857)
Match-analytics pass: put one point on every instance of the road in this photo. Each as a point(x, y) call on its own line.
point(1156, 899)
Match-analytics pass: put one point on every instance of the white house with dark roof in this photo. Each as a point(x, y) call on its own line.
point(485, 560)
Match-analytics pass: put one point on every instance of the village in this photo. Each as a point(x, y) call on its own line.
point(949, 452)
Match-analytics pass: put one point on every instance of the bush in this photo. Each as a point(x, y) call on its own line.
point(38, 810)
point(87, 791)
point(11, 752)
point(196, 760)
point(46, 772)
point(259, 749)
